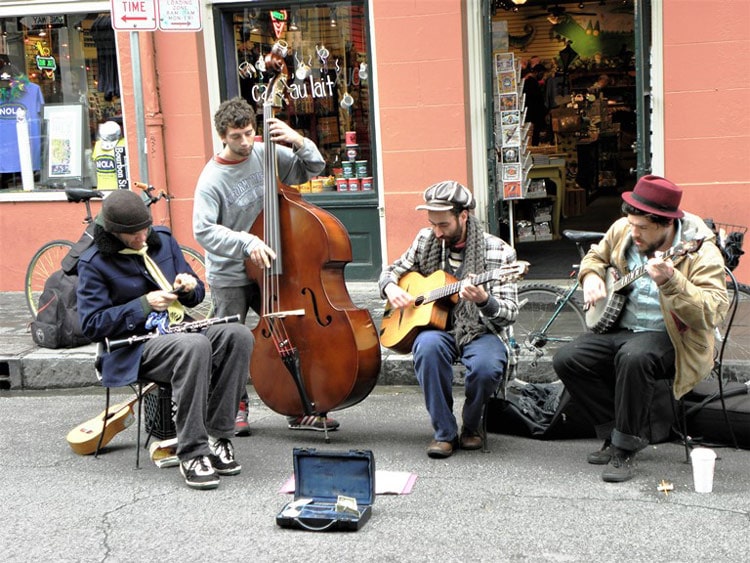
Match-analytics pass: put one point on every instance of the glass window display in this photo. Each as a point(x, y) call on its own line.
point(328, 80)
point(54, 61)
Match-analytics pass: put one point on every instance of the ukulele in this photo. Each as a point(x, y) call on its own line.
point(400, 326)
point(84, 438)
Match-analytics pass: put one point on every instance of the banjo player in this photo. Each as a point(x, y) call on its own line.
point(664, 330)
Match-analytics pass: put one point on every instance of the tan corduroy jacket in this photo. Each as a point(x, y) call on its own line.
point(693, 302)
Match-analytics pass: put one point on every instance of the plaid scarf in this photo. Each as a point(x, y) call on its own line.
point(465, 322)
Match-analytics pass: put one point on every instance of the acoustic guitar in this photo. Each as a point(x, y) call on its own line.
point(436, 296)
point(602, 316)
point(84, 438)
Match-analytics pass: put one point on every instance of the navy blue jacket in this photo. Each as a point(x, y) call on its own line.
point(111, 296)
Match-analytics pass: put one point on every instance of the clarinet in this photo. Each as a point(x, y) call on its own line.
point(195, 326)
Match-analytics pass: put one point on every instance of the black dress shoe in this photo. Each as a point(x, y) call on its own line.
point(621, 468)
point(601, 456)
point(439, 450)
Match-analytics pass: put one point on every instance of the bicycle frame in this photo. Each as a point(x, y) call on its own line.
point(537, 339)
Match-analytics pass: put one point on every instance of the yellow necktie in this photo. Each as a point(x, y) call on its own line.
point(176, 311)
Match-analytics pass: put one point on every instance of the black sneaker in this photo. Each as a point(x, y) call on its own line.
point(222, 457)
point(199, 474)
point(621, 468)
point(601, 456)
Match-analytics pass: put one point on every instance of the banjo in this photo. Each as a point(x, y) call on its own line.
point(602, 315)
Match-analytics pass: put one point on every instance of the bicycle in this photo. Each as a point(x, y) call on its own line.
point(51, 256)
point(549, 316)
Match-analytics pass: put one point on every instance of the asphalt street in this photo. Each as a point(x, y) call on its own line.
point(525, 500)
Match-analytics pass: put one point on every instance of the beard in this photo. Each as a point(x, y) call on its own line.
point(650, 249)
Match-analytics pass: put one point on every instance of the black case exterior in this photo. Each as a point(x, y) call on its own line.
point(706, 419)
point(322, 476)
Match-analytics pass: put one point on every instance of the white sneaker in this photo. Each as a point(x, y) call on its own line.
point(222, 457)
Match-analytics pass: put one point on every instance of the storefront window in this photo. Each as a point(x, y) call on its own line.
point(328, 80)
point(58, 83)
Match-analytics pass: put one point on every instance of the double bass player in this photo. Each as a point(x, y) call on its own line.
point(229, 197)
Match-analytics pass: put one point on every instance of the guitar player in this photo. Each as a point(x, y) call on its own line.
point(664, 330)
point(476, 331)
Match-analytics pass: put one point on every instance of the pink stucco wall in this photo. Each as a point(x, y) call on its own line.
point(706, 117)
point(422, 98)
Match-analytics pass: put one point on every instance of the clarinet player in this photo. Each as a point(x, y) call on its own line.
point(133, 280)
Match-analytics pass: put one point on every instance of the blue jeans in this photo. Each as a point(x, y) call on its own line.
point(435, 352)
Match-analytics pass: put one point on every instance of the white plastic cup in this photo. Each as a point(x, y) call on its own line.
point(703, 461)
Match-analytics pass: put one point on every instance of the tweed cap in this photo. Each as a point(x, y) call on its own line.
point(446, 196)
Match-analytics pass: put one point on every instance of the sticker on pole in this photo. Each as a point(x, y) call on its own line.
point(134, 15)
point(179, 15)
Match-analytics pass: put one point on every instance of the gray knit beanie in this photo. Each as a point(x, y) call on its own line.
point(124, 212)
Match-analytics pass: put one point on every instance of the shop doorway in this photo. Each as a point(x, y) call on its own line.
point(587, 60)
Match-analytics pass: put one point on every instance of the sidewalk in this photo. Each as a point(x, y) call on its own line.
point(24, 365)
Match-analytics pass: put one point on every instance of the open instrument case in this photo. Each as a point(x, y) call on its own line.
point(332, 490)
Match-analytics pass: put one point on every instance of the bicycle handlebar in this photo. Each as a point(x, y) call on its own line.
point(148, 189)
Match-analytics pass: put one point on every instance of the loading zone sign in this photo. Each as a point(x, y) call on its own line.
point(179, 15)
point(149, 15)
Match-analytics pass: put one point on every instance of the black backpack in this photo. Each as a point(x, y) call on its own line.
point(57, 324)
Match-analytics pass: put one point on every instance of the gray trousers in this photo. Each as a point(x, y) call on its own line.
point(208, 372)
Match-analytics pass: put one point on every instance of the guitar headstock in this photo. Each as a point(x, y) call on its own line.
point(522, 267)
point(276, 66)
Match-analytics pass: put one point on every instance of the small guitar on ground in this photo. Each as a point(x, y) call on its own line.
point(84, 438)
point(602, 316)
point(436, 296)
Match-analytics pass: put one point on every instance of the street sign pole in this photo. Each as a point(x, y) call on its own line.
point(134, 15)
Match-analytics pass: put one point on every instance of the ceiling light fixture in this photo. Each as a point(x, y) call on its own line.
point(333, 17)
point(519, 2)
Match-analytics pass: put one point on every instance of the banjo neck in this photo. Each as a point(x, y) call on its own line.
point(678, 252)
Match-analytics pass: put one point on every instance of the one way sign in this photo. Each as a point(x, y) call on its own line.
point(133, 15)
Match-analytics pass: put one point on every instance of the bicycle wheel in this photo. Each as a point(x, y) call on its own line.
point(195, 260)
point(546, 321)
point(736, 358)
point(46, 260)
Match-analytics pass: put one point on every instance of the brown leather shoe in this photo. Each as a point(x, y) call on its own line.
point(441, 449)
point(470, 440)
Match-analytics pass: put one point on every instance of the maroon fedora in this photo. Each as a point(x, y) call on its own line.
point(656, 195)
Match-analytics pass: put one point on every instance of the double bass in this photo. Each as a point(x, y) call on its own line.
point(315, 351)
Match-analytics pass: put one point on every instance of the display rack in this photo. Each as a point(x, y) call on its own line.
point(512, 132)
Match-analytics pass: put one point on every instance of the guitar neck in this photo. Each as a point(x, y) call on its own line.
point(453, 288)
